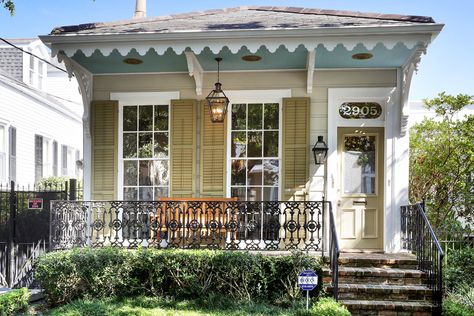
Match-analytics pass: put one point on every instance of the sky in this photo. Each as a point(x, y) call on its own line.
point(448, 65)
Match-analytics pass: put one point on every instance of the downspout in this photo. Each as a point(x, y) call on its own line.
point(140, 9)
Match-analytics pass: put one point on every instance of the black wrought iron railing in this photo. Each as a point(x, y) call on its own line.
point(418, 237)
point(334, 253)
point(189, 224)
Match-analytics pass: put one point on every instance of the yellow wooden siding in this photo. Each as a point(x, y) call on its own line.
point(213, 156)
point(183, 148)
point(104, 124)
point(295, 160)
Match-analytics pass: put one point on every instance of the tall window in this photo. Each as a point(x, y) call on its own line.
point(38, 157)
point(255, 162)
point(12, 150)
point(3, 154)
point(145, 155)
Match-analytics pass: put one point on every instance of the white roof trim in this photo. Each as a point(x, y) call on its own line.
point(235, 40)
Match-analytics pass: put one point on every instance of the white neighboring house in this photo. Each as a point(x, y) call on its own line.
point(418, 112)
point(40, 116)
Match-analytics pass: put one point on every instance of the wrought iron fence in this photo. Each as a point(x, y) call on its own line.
point(334, 253)
point(418, 236)
point(228, 225)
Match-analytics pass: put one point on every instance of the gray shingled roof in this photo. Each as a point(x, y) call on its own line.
point(245, 18)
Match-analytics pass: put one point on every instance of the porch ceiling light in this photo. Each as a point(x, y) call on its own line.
point(133, 61)
point(362, 56)
point(217, 100)
point(320, 151)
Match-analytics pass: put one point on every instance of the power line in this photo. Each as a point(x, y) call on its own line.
point(30, 53)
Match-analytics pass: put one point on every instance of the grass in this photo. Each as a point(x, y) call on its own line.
point(146, 306)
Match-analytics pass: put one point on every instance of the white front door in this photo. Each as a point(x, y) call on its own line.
point(360, 195)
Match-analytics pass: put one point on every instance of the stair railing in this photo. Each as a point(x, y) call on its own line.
point(334, 253)
point(418, 236)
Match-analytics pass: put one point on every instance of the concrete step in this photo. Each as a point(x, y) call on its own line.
point(400, 261)
point(384, 292)
point(385, 308)
point(370, 275)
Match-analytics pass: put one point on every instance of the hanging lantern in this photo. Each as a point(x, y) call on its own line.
point(320, 151)
point(217, 100)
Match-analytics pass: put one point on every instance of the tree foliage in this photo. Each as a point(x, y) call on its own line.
point(9, 5)
point(442, 161)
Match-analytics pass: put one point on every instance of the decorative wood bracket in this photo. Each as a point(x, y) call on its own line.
point(195, 70)
point(84, 79)
point(408, 69)
point(310, 67)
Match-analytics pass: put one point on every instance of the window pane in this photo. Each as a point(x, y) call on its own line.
point(160, 192)
point(255, 144)
point(145, 122)
point(239, 144)
point(255, 116)
point(129, 118)
point(238, 172)
point(254, 194)
point(238, 193)
point(145, 145)
point(270, 194)
point(270, 142)
point(255, 169)
point(145, 174)
point(238, 116)
point(130, 172)
point(271, 116)
point(161, 117)
point(145, 193)
point(271, 171)
point(161, 145)
point(129, 145)
point(359, 164)
point(130, 194)
point(160, 172)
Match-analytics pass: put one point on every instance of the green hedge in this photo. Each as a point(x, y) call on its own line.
point(14, 301)
point(113, 272)
point(459, 269)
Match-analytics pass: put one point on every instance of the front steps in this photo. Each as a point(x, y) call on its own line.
point(381, 284)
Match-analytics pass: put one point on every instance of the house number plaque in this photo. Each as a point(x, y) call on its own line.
point(360, 110)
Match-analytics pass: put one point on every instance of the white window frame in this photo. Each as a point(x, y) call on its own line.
point(5, 151)
point(255, 96)
point(138, 98)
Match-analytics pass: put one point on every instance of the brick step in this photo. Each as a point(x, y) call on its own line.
point(394, 263)
point(366, 275)
point(384, 292)
point(392, 308)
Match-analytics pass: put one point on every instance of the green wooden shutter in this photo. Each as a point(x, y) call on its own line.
point(104, 124)
point(183, 148)
point(295, 164)
point(213, 156)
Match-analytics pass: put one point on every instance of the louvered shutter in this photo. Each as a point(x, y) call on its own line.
point(183, 148)
point(213, 156)
point(104, 122)
point(296, 114)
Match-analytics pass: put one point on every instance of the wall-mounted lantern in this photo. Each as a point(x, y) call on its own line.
point(217, 100)
point(320, 151)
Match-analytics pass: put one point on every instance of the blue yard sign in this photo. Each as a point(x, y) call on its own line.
point(307, 280)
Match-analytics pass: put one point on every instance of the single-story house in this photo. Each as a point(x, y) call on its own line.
point(296, 79)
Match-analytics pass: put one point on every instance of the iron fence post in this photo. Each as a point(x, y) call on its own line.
point(11, 237)
point(72, 189)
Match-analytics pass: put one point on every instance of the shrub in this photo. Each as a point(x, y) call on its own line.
point(114, 272)
point(13, 302)
point(460, 268)
point(453, 306)
point(328, 306)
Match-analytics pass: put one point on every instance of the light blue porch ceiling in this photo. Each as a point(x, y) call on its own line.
point(340, 57)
